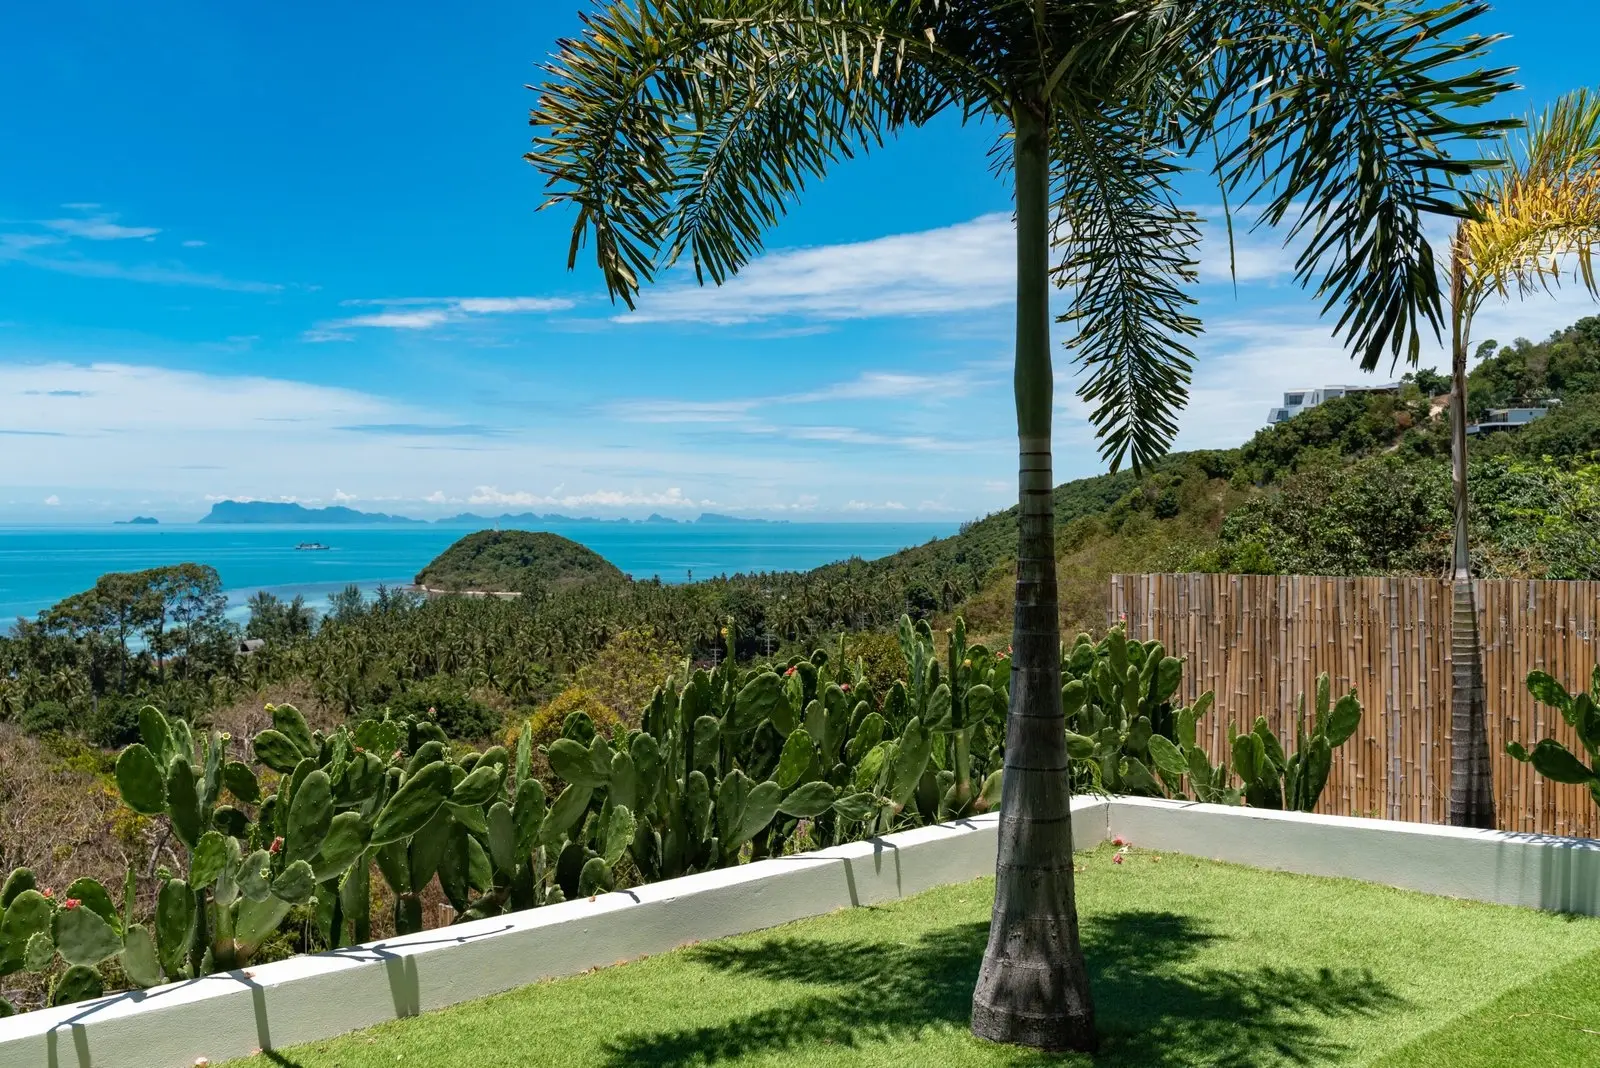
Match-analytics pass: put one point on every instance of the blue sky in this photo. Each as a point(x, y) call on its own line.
point(291, 251)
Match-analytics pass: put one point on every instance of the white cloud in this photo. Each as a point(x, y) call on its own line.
point(412, 320)
point(882, 385)
point(869, 506)
point(194, 244)
point(99, 228)
point(670, 498)
point(1244, 365)
point(19, 248)
point(966, 267)
point(52, 500)
point(103, 400)
point(501, 305)
point(963, 267)
point(677, 411)
point(430, 312)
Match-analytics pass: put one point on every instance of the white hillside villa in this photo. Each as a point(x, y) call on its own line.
point(1297, 401)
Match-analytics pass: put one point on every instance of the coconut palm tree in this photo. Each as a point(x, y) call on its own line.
point(1531, 219)
point(685, 127)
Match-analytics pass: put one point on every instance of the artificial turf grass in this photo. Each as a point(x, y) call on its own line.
point(1551, 1021)
point(1193, 963)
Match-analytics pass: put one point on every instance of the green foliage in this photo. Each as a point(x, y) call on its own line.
point(1294, 781)
point(446, 701)
point(1355, 425)
point(515, 561)
point(45, 717)
point(1387, 515)
point(1581, 712)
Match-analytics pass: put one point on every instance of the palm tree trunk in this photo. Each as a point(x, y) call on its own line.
point(1471, 789)
point(1033, 988)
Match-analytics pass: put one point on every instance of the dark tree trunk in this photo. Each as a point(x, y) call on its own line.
point(1033, 988)
point(1471, 786)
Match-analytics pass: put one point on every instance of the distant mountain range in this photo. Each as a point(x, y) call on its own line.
point(277, 512)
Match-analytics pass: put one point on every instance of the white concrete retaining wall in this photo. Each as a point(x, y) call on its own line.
point(1504, 867)
point(320, 995)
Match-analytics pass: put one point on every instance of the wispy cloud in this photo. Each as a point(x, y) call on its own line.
point(672, 497)
point(680, 411)
point(953, 268)
point(99, 228)
point(425, 313)
point(426, 430)
point(886, 385)
point(967, 267)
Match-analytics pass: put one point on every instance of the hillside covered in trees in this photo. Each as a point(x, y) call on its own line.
point(515, 561)
point(1358, 485)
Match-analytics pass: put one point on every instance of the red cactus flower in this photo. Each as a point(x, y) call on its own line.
point(1117, 859)
point(845, 686)
point(786, 674)
point(277, 845)
point(49, 893)
point(71, 903)
point(1119, 841)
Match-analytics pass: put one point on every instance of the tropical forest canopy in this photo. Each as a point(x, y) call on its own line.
point(1358, 485)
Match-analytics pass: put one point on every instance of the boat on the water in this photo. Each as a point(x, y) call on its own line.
point(311, 546)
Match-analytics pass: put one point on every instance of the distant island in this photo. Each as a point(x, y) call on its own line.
point(511, 561)
point(137, 521)
point(278, 512)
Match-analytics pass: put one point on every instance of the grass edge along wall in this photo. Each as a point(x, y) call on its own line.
point(311, 997)
point(1258, 641)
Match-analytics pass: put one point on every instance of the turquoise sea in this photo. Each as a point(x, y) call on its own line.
point(39, 565)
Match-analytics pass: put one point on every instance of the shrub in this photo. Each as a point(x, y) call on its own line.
point(446, 701)
point(114, 722)
point(624, 675)
point(548, 720)
point(45, 717)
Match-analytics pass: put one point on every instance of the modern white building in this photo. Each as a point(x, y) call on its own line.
point(1508, 419)
point(1298, 400)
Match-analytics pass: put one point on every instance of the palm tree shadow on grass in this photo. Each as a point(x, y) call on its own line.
point(1150, 1013)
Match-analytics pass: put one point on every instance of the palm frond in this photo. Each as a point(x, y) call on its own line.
point(687, 126)
point(1341, 118)
point(1541, 210)
point(1128, 254)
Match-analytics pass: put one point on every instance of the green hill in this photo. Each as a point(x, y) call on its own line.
point(515, 561)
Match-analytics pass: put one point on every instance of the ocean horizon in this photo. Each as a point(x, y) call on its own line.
point(41, 564)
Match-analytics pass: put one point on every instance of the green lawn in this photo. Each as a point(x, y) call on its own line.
point(1194, 963)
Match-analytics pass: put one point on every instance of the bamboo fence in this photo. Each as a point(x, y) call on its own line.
point(1259, 641)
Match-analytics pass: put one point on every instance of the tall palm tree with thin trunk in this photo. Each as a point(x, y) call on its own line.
point(685, 128)
point(1531, 219)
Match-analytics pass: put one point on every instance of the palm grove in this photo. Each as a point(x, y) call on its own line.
point(684, 127)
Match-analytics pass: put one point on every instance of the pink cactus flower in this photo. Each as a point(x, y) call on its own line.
point(49, 893)
point(845, 686)
point(277, 845)
point(1117, 859)
point(71, 903)
point(1119, 841)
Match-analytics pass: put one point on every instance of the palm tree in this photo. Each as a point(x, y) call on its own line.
point(685, 127)
point(1530, 218)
